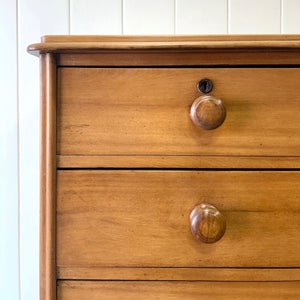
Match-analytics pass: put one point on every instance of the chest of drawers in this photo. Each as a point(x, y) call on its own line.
point(170, 167)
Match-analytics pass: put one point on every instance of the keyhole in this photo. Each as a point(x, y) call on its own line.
point(205, 86)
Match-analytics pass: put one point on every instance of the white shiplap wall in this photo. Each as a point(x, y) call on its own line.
point(23, 22)
point(9, 261)
point(35, 18)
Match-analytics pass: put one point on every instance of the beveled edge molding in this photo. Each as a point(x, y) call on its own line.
point(197, 274)
point(92, 44)
point(161, 161)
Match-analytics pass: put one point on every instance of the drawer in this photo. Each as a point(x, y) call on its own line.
point(146, 111)
point(142, 218)
point(93, 290)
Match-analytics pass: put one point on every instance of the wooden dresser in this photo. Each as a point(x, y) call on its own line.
point(170, 167)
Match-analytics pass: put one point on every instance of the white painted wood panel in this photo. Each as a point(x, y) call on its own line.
point(9, 259)
point(290, 16)
point(96, 17)
point(144, 17)
point(254, 17)
point(35, 18)
point(201, 16)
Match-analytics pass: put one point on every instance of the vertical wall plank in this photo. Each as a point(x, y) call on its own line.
point(148, 17)
point(290, 16)
point(254, 17)
point(35, 18)
point(9, 270)
point(96, 17)
point(201, 17)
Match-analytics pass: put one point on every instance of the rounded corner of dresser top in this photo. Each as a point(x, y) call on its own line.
point(34, 49)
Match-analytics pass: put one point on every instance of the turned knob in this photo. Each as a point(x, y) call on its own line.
point(208, 112)
point(208, 225)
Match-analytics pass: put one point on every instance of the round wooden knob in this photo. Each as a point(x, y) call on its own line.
point(208, 112)
point(208, 225)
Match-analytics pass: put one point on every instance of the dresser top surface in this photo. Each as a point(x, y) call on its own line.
point(92, 43)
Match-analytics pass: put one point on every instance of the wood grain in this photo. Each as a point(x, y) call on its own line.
point(189, 58)
point(141, 218)
point(134, 225)
point(208, 112)
point(92, 47)
point(47, 178)
point(200, 274)
point(100, 43)
point(146, 112)
point(158, 161)
point(73, 290)
point(214, 56)
point(208, 224)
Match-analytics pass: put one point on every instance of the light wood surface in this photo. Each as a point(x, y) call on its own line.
point(92, 44)
point(124, 53)
point(47, 178)
point(92, 47)
point(72, 290)
point(141, 218)
point(201, 274)
point(146, 112)
point(253, 57)
point(158, 161)
point(118, 225)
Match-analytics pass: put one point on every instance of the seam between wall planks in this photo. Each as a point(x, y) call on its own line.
point(174, 12)
point(122, 17)
point(281, 16)
point(227, 29)
point(69, 16)
point(18, 147)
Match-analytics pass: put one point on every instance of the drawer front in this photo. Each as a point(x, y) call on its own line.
point(146, 111)
point(142, 218)
point(93, 290)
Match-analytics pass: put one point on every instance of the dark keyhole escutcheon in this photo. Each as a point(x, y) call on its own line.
point(205, 86)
